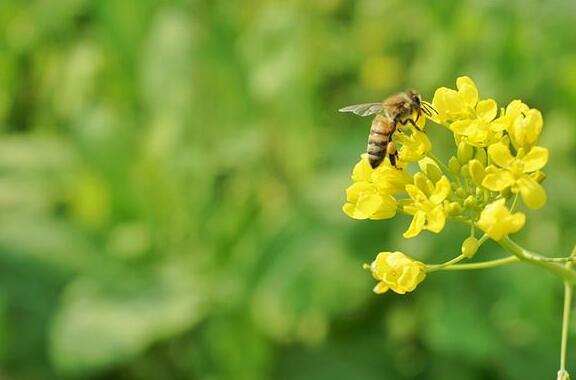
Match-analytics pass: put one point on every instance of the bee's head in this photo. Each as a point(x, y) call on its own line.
point(415, 98)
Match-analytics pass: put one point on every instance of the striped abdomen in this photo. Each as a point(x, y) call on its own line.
point(380, 135)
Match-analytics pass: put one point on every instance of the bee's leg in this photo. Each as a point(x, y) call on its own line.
point(392, 152)
point(413, 124)
point(392, 158)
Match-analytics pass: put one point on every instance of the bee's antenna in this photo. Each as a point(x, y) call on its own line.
point(429, 108)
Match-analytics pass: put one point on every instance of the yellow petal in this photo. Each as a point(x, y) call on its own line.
point(515, 222)
point(412, 274)
point(441, 190)
point(477, 171)
point(439, 104)
point(497, 221)
point(387, 208)
point(536, 159)
point(461, 127)
point(532, 192)
point(487, 109)
point(363, 201)
point(467, 90)
point(389, 179)
point(436, 220)
point(380, 288)
point(367, 205)
point(362, 171)
point(416, 225)
point(396, 271)
point(516, 108)
point(380, 265)
point(525, 130)
point(356, 189)
point(414, 147)
point(498, 181)
point(447, 101)
point(479, 133)
point(415, 193)
point(500, 154)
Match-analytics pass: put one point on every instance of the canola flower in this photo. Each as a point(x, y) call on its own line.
point(496, 169)
point(396, 271)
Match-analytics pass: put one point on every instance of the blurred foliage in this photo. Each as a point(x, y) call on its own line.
point(172, 172)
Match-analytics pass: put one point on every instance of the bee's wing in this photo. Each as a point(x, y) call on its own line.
point(364, 109)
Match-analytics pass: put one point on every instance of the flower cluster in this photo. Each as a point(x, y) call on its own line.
point(496, 163)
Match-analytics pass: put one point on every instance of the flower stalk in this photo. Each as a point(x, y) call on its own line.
point(565, 273)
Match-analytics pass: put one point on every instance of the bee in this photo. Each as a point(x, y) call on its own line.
point(393, 111)
point(399, 108)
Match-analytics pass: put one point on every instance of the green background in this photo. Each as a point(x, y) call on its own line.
point(172, 175)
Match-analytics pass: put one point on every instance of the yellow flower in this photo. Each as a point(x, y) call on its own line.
point(468, 117)
point(365, 201)
point(455, 104)
point(396, 271)
point(524, 124)
point(387, 178)
point(526, 129)
point(515, 173)
point(414, 147)
point(497, 221)
point(427, 205)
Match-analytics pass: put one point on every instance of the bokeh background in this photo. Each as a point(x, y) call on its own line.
point(172, 175)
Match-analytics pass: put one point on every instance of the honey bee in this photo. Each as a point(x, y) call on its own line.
point(393, 111)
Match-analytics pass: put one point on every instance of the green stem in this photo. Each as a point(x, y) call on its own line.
point(514, 202)
point(434, 268)
point(565, 273)
point(568, 288)
point(451, 263)
point(484, 264)
point(565, 323)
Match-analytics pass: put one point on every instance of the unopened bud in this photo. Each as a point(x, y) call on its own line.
point(470, 247)
point(461, 193)
point(470, 201)
point(464, 152)
point(453, 209)
point(481, 156)
point(477, 171)
point(454, 166)
point(433, 172)
point(464, 171)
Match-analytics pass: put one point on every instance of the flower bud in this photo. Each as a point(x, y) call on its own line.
point(477, 171)
point(482, 156)
point(464, 171)
point(470, 247)
point(453, 208)
point(464, 152)
point(470, 202)
point(454, 166)
point(433, 172)
point(461, 193)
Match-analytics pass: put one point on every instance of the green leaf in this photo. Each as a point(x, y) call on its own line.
point(99, 324)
